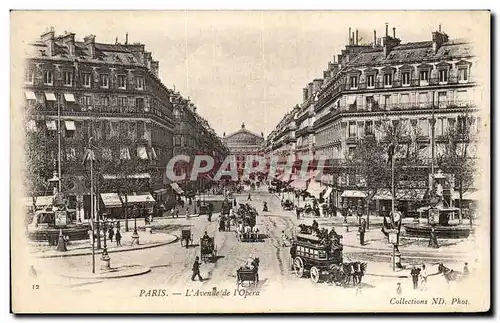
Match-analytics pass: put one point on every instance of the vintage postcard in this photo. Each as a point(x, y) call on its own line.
point(250, 161)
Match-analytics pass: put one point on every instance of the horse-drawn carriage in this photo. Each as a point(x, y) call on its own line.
point(319, 254)
point(246, 233)
point(208, 249)
point(246, 220)
point(249, 274)
point(186, 237)
point(287, 205)
point(226, 207)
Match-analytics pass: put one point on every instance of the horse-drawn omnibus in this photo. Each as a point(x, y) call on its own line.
point(314, 257)
point(319, 253)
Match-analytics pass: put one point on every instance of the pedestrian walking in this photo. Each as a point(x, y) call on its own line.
point(297, 211)
point(415, 273)
point(399, 290)
point(209, 216)
point(196, 269)
point(423, 278)
point(249, 197)
point(111, 233)
point(466, 269)
point(362, 229)
point(118, 237)
point(433, 242)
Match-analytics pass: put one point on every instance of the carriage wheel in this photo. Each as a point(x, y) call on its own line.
point(298, 267)
point(314, 274)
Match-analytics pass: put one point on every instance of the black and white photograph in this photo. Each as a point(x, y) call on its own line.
point(252, 161)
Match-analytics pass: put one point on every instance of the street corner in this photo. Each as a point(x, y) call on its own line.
point(111, 273)
point(146, 241)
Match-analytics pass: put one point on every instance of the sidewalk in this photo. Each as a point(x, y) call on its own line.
point(376, 241)
point(83, 247)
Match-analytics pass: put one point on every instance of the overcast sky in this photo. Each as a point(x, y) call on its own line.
point(243, 66)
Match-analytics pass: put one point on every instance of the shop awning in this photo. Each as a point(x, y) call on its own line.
point(351, 99)
point(410, 194)
point(314, 188)
point(70, 125)
point(401, 194)
point(111, 200)
point(139, 198)
point(353, 193)
point(28, 201)
point(51, 125)
point(49, 96)
point(383, 194)
point(124, 153)
point(328, 192)
point(469, 195)
point(69, 97)
point(131, 176)
point(31, 126)
point(142, 153)
point(299, 184)
point(176, 188)
point(44, 200)
point(30, 95)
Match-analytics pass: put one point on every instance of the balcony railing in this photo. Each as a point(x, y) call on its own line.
point(78, 110)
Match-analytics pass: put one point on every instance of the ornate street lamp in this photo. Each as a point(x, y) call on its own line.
point(105, 259)
point(55, 181)
point(135, 235)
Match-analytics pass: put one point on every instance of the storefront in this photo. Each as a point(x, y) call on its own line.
point(112, 205)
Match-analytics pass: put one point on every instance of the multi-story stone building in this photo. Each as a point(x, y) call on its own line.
point(110, 93)
point(415, 84)
point(305, 120)
point(426, 86)
point(194, 136)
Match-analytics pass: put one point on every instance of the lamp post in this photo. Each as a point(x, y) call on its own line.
point(105, 259)
point(56, 181)
point(135, 234)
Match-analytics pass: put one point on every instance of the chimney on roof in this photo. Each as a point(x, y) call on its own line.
point(317, 85)
point(352, 43)
point(393, 32)
point(304, 93)
point(310, 89)
point(69, 40)
point(389, 42)
point(90, 43)
point(374, 38)
point(126, 38)
point(356, 37)
point(262, 134)
point(49, 40)
point(438, 38)
point(350, 39)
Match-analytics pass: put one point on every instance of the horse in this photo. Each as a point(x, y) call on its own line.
point(255, 233)
point(337, 275)
point(359, 272)
point(450, 274)
point(348, 269)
